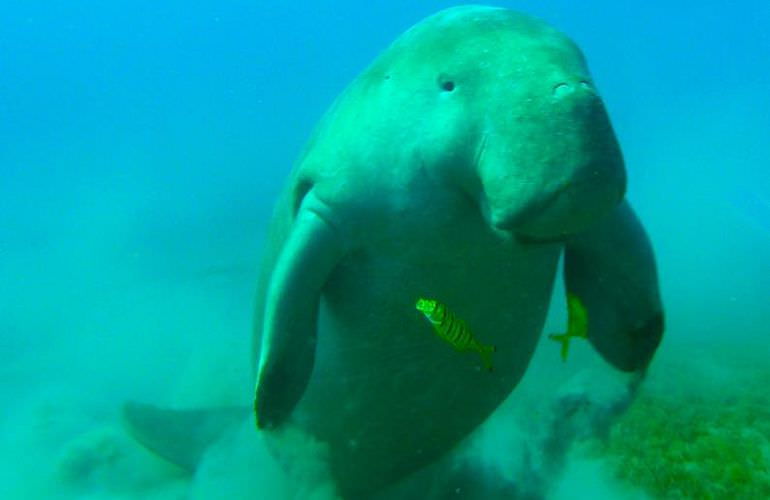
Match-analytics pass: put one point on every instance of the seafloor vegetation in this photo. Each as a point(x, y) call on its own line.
point(711, 440)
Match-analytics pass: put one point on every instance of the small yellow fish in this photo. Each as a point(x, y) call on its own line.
point(454, 330)
point(577, 324)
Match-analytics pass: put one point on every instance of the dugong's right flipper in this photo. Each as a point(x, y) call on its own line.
point(309, 254)
point(611, 268)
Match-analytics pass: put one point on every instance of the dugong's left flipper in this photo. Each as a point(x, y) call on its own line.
point(611, 268)
point(309, 254)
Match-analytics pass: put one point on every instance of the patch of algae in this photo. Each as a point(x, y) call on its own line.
point(704, 445)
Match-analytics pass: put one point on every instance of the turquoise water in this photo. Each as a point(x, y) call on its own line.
point(142, 146)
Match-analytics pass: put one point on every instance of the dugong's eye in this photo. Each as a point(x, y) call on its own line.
point(445, 83)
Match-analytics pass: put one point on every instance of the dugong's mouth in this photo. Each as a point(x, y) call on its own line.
point(560, 212)
point(526, 214)
point(525, 239)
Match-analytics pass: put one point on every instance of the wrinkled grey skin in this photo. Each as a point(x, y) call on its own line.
point(457, 167)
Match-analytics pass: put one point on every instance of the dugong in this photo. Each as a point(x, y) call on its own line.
point(457, 167)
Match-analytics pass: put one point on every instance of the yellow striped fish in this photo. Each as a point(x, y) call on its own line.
point(577, 324)
point(454, 330)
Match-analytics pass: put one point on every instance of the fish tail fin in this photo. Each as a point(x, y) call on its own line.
point(486, 352)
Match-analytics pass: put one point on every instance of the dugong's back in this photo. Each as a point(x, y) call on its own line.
point(389, 182)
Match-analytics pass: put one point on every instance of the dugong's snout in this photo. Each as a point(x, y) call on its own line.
point(555, 169)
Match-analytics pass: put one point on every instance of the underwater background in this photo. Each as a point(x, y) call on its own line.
point(142, 145)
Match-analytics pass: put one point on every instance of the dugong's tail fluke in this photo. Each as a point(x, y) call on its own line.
point(180, 436)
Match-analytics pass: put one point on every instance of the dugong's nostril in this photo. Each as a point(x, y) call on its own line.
point(563, 89)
